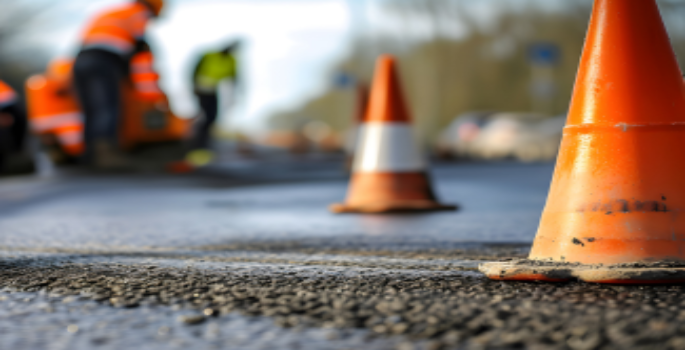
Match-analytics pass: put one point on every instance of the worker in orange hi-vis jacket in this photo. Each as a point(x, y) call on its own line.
point(109, 42)
point(12, 123)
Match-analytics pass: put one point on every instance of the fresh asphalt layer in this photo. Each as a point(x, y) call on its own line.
point(246, 256)
point(500, 203)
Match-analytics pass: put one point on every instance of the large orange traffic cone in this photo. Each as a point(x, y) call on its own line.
point(389, 171)
point(615, 209)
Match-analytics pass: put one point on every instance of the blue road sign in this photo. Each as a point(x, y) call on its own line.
point(544, 54)
point(343, 80)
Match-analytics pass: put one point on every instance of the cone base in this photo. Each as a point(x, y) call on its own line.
point(395, 207)
point(610, 274)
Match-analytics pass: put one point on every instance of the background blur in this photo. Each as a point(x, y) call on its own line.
point(504, 69)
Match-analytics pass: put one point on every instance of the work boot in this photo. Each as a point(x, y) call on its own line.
point(200, 157)
point(108, 157)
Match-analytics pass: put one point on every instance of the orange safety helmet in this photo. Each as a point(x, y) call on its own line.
point(155, 5)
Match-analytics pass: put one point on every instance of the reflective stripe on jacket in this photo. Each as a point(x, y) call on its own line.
point(145, 78)
point(7, 95)
point(117, 30)
point(54, 110)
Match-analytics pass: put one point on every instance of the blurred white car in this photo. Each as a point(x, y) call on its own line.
point(455, 140)
point(524, 136)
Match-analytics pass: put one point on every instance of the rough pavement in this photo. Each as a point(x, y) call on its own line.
point(57, 322)
point(185, 262)
point(437, 310)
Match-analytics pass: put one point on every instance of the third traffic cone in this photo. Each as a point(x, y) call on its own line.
point(389, 172)
point(362, 104)
point(615, 211)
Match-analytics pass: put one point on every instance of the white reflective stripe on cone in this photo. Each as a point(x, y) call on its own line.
point(46, 123)
point(70, 138)
point(387, 147)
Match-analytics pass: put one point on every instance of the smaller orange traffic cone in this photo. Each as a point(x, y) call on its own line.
point(389, 172)
point(362, 104)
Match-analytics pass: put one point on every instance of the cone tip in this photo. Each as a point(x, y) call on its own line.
point(650, 79)
point(386, 100)
point(386, 60)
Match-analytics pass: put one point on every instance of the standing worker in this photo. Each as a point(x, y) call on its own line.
point(110, 41)
point(12, 124)
point(212, 69)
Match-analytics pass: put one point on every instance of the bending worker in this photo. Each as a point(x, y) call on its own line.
point(212, 69)
point(12, 123)
point(108, 44)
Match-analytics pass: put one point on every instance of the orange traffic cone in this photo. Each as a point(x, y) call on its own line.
point(613, 214)
point(389, 172)
point(362, 105)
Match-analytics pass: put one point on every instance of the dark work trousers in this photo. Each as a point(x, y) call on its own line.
point(209, 103)
point(98, 76)
point(16, 134)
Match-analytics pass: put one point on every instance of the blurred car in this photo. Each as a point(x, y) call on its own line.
point(526, 137)
point(454, 142)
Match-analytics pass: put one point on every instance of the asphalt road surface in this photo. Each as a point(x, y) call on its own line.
point(246, 256)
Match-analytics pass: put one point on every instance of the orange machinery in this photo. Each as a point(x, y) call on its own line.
point(143, 123)
point(55, 116)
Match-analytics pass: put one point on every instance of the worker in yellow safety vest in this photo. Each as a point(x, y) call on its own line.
point(12, 123)
point(212, 69)
point(109, 42)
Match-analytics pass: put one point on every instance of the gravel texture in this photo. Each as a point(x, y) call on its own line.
point(449, 310)
point(30, 321)
point(180, 263)
point(461, 250)
point(466, 259)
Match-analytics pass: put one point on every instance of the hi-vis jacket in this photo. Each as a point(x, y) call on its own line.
point(117, 30)
point(7, 95)
point(53, 108)
point(212, 69)
point(144, 77)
